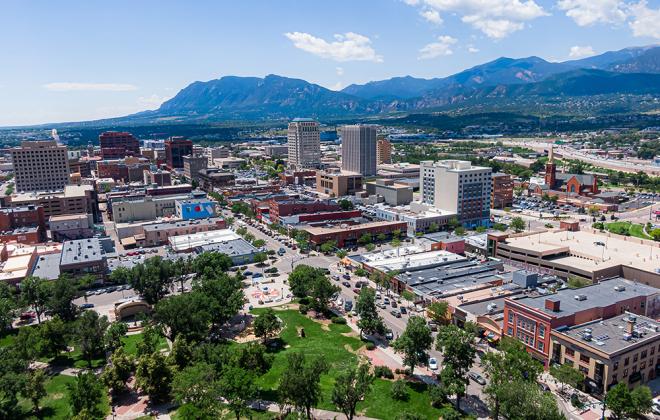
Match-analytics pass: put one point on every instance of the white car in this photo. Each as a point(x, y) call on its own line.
point(433, 363)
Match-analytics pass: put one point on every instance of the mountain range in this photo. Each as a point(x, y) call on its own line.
point(626, 80)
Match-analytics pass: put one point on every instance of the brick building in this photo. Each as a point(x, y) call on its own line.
point(118, 145)
point(74, 199)
point(347, 235)
point(531, 319)
point(175, 149)
point(502, 192)
point(280, 209)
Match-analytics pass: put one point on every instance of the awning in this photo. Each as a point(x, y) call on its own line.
point(129, 241)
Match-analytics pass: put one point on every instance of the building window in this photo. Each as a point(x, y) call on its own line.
point(626, 361)
point(540, 345)
point(584, 359)
point(510, 317)
point(635, 358)
point(642, 355)
point(541, 331)
point(569, 352)
point(509, 331)
point(616, 365)
point(625, 373)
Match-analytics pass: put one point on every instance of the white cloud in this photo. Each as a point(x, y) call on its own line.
point(645, 22)
point(473, 50)
point(495, 18)
point(340, 71)
point(437, 49)
point(589, 12)
point(337, 86)
point(581, 52)
point(74, 86)
point(431, 15)
point(346, 47)
point(151, 102)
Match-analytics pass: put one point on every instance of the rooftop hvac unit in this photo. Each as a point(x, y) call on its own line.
point(619, 288)
point(580, 297)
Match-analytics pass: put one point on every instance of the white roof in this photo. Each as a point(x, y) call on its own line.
point(186, 242)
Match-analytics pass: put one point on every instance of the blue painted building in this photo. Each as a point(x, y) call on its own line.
point(195, 209)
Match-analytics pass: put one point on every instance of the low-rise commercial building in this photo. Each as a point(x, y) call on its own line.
point(239, 250)
point(199, 208)
point(229, 163)
point(282, 208)
point(212, 178)
point(621, 349)
point(129, 169)
point(157, 177)
point(74, 199)
point(146, 207)
point(347, 235)
point(71, 226)
point(191, 242)
point(393, 193)
point(276, 150)
point(155, 234)
point(306, 177)
point(28, 221)
point(531, 319)
point(84, 256)
point(419, 218)
point(338, 184)
point(192, 165)
point(585, 254)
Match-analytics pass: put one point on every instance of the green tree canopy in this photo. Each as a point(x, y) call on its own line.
point(351, 387)
point(414, 342)
point(300, 383)
point(458, 350)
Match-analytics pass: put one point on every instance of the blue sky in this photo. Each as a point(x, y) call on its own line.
point(79, 60)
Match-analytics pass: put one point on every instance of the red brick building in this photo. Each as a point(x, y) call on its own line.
point(292, 207)
point(530, 319)
point(24, 224)
point(118, 145)
point(175, 149)
point(502, 191)
point(125, 170)
point(348, 235)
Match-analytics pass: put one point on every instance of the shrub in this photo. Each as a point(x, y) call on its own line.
point(383, 372)
point(448, 412)
point(304, 301)
point(370, 346)
point(303, 309)
point(399, 390)
point(339, 320)
point(400, 371)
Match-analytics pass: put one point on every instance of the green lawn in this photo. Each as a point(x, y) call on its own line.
point(7, 338)
point(131, 342)
point(627, 229)
point(56, 404)
point(331, 344)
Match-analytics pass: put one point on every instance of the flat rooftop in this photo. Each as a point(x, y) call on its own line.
point(192, 241)
point(181, 224)
point(609, 335)
point(406, 258)
point(69, 191)
point(47, 266)
point(602, 294)
point(585, 251)
point(82, 251)
point(405, 211)
point(232, 248)
point(335, 229)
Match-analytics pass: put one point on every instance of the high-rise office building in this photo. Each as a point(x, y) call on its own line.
point(358, 149)
point(175, 149)
point(383, 151)
point(118, 145)
point(304, 143)
point(40, 166)
point(459, 187)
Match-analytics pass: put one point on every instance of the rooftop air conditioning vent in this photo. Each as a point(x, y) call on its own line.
point(580, 297)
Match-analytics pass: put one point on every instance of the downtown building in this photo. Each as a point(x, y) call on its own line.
point(40, 166)
point(358, 149)
point(175, 149)
point(458, 187)
point(304, 143)
point(118, 145)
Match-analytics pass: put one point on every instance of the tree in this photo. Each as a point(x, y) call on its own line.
point(118, 372)
point(120, 275)
point(433, 227)
point(86, 394)
point(152, 279)
point(321, 292)
point(266, 324)
point(301, 279)
point(177, 314)
point(511, 363)
point(438, 312)
point(181, 354)
point(567, 375)
point(369, 320)
point(364, 239)
point(453, 223)
point(52, 337)
point(154, 376)
point(90, 332)
point(351, 386)
point(35, 292)
point(211, 264)
point(381, 237)
point(521, 399)
point(300, 383)
point(342, 253)
point(459, 231)
point(396, 233)
point(458, 350)
point(259, 258)
point(258, 243)
point(13, 369)
point(345, 204)
point(223, 295)
point(414, 343)
point(396, 243)
point(35, 388)
point(197, 385)
point(328, 247)
point(8, 306)
point(60, 302)
point(151, 335)
point(113, 335)
point(408, 296)
point(370, 247)
point(237, 386)
point(517, 224)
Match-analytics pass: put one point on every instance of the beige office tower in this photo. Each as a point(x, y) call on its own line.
point(304, 144)
point(358, 149)
point(40, 166)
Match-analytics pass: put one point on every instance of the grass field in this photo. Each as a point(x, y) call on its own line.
point(56, 404)
point(131, 342)
point(627, 229)
point(338, 347)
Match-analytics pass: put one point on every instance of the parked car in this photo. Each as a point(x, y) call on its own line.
point(394, 304)
point(477, 378)
point(403, 310)
point(356, 291)
point(345, 284)
point(433, 326)
point(389, 335)
point(386, 301)
point(395, 313)
point(86, 306)
point(433, 363)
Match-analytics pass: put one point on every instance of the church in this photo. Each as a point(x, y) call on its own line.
point(560, 182)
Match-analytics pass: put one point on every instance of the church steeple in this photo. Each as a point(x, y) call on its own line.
point(551, 169)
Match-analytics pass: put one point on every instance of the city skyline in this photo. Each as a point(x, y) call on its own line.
point(73, 63)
